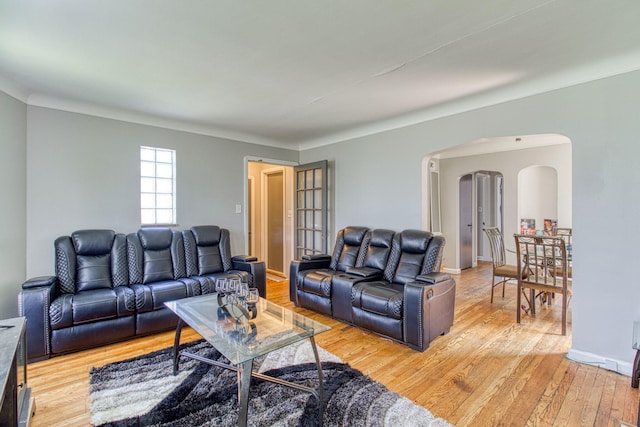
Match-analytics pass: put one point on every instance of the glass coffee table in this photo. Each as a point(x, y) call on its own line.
point(242, 332)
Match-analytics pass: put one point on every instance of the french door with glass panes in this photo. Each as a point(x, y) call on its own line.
point(311, 209)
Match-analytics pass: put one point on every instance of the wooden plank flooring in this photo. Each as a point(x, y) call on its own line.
point(487, 371)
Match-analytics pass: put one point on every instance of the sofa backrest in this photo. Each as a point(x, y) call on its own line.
point(207, 250)
point(413, 252)
point(377, 250)
point(349, 241)
point(155, 254)
point(90, 259)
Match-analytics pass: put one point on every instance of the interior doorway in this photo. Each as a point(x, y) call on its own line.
point(269, 221)
point(489, 208)
point(481, 205)
point(466, 221)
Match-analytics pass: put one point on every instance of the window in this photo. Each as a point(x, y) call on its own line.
point(157, 186)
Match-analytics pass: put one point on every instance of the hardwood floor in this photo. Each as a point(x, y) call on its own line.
point(487, 371)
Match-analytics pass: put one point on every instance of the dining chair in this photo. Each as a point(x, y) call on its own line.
point(544, 258)
point(501, 269)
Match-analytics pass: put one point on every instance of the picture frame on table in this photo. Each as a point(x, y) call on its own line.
point(528, 226)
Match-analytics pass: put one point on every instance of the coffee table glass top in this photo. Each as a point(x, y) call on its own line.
point(234, 333)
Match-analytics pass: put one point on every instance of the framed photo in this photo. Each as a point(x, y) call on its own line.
point(550, 226)
point(528, 226)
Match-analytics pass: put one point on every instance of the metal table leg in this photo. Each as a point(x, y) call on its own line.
point(244, 374)
point(320, 388)
point(176, 347)
point(244, 380)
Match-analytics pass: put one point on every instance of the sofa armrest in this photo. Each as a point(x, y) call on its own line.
point(257, 269)
point(244, 258)
point(428, 309)
point(316, 257)
point(433, 278)
point(38, 282)
point(33, 303)
point(365, 272)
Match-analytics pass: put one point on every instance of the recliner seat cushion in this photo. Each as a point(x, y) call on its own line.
point(379, 298)
point(86, 307)
point(316, 282)
point(165, 291)
point(96, 305)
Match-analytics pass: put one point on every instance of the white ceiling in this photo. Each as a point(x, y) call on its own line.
point(305, 72)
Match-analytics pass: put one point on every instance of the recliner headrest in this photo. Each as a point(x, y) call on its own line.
point(93, 242)
point(381, 238)
point(206, 235)
point(155, 238)
point(414, 241)
point(354, 235)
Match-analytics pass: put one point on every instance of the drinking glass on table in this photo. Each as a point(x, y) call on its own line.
point(233, 284)
point(242, 290)
point(221, 285)
point(253, 296)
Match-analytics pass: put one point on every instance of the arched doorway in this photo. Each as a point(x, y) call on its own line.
point(506, 157)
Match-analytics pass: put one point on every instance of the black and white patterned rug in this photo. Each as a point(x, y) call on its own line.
point(143, 392)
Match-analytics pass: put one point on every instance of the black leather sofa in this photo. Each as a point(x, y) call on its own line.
point(386, 282)
point(109, 287)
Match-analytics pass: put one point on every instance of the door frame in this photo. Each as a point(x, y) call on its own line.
point(288, 200)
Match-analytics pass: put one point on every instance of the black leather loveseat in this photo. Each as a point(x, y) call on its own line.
point(382, 281)
point(110, 287)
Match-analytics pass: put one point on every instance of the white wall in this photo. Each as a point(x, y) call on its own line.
point(538, 195)
point(13, 136)
point(378, 183)
point(83, 172)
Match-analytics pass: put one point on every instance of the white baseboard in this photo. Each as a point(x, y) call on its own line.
point(451, 270)
point(619, 366)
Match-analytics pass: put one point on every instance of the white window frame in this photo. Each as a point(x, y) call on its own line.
point(157, 186)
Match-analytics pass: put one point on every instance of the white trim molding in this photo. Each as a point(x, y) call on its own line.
point(619, 366)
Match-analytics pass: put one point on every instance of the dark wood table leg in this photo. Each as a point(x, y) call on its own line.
point(635, 378)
